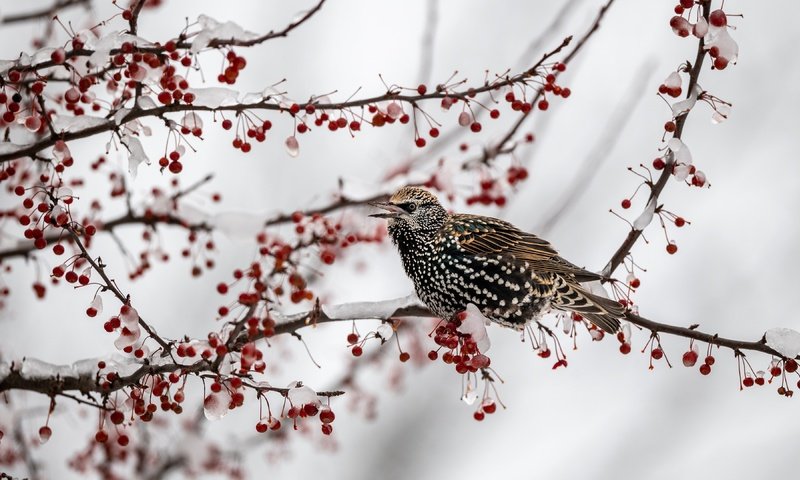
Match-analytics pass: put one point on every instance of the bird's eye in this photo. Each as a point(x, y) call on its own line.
point(410, 207)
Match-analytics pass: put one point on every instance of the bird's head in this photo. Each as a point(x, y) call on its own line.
point(413, 208)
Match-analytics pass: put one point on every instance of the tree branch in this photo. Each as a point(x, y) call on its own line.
point(267, 105)
point(655, 189)
point(85, 382)
point(44, 13)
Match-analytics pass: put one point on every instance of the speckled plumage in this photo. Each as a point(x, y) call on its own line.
point(510, 275)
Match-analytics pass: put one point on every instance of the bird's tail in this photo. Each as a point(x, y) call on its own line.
point(602, 312)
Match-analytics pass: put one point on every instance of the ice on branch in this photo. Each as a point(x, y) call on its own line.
point(475, 325)
point(128, 336)
point(300, 394)
point(213, 97)
point(136, 154)
point(721, 113)
point(292, 146)
point(673, 80)
point(683, 106)
point(102, 46)
point(215, 405)
point(721, 46)
point(212, 29)
point(71, 124)
point(682, 157)
point(784, 340)
point(700, 28)
point(646, 216)
point(146, 102)
point(34, 369)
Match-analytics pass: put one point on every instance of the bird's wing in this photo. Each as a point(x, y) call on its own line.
point(479, 235)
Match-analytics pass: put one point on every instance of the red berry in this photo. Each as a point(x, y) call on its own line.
point(669, 126)
point(679, 221)
point(489, 407)
point(625, 348)
point(404, 357)
point(775, 371)
point(357, 351)
point(261, 427)
point(117, 417)
point(543, 104)
point(705, 369)
point(101, 436)
point(478, 415)
point(657, 353)
point(710, 360)
point(433, 355)
point(352, 338)
point(718, 18)
point(690, 358)
point(326, 415)
point(672, 248)
point(748, 381)
point(790, 366)
point(58, 56)
point(626, 203)
point(420, 142)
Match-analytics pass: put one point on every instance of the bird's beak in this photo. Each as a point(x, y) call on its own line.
point(392, 210)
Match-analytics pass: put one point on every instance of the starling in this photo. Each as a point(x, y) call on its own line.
point(510, 275)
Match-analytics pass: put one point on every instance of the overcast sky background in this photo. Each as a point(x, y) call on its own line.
point(606, 416)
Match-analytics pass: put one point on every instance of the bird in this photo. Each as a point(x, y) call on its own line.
point(511, 276)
